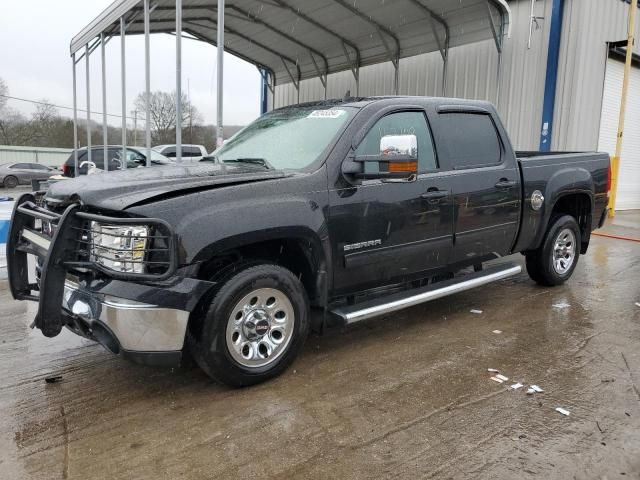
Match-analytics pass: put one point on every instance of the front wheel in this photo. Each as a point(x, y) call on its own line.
point(10, 181)
point(555, 260)
point(255, 326)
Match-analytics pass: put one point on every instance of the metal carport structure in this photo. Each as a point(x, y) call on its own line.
point(290, 40)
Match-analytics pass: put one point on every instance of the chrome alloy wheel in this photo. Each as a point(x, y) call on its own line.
point(260, 327)
point(564, 251)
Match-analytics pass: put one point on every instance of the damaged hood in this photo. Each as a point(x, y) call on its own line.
point(123, 189)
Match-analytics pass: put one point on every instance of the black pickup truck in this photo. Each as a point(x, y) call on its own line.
point(318, 213)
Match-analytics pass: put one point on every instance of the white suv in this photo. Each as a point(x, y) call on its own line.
point(190, 153)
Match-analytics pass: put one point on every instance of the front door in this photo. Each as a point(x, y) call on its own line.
point(383, 232)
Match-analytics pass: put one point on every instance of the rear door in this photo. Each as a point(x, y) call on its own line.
point(386, 231)
point(485, 182)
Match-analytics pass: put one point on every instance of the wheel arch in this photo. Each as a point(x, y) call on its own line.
point(568, 191)
point(296, 248)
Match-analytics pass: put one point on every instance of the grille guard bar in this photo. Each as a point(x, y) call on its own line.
point(61, 255)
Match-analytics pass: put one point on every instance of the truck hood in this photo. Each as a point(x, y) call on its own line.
point(124, 189)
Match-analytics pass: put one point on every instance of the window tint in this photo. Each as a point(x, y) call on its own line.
point(400, 123)
point(21, 165)
point(169, 152)
point(469, 140)
point(37, 166)
point(191, 152)
point(97, 157)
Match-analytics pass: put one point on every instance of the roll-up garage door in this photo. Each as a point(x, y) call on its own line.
point(628, 195)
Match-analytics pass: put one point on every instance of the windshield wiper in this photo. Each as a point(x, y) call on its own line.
point(253, 161)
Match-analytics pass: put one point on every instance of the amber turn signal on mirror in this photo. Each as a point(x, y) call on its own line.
point(403, 167)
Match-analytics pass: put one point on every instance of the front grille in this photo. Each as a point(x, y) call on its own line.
point(82, 242)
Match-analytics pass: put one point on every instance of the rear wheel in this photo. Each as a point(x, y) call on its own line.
point(555, 260)
point(10, 181)
point(255, 326)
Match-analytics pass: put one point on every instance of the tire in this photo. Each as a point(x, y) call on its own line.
point(550, 266)
point(10, 181)
point(254, 326)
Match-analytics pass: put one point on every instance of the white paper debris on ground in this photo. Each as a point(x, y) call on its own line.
point(497, 332)
point(474, 310)
point(561, 305)
point(530, 391)
point(496, 379)
point(562, 411)
point(536, 389)
point(502, 377)
point(637, 304)
point(516, 386)
point(493, 370)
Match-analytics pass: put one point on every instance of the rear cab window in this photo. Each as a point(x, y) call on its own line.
point(469, 140)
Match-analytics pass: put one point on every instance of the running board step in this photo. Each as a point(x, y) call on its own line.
point(398, 301)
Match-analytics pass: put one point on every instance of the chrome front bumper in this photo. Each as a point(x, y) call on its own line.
point(121, 324)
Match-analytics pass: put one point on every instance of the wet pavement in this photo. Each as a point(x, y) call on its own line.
point(404, 396)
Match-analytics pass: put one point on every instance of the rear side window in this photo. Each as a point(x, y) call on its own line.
point(469, 140)
point(23, 166)
point(400, 123)
point(191, 152)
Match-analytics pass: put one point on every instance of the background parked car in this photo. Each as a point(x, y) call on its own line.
point(14, 174)
point(190, 153)
point(136, 157)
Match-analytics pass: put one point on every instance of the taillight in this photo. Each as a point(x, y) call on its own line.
point(609, 179)
point(65, 169)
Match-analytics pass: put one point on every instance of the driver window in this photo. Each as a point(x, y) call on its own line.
point(400, 123)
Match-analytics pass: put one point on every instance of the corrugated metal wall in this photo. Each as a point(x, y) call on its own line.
point(588, 24)
point(52, 157)
point(472, 73)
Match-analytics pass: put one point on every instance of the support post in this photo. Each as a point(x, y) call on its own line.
point(179, 81)
point(445, 64)
point(88, 82)
point(615, 161)
point(147, 83)
point(550, 82)
point(105, 140)
point(123, 86)
point(220, 76)
point(75, 118)
point(264, 92)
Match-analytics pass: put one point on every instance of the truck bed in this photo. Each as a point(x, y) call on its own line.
point(581, 173)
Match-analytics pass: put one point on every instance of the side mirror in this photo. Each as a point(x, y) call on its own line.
point(398, 159)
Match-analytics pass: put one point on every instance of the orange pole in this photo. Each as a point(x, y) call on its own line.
point(615, 161)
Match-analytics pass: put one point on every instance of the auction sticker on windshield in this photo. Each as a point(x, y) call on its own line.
point(326, 113)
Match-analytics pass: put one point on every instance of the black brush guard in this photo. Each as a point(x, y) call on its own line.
point(67, 251)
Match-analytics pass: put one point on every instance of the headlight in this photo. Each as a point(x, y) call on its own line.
point(119, 247)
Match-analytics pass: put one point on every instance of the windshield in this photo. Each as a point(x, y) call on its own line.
point(289, 138)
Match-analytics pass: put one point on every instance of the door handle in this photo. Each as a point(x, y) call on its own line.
point(504, 183)
point(435, 194)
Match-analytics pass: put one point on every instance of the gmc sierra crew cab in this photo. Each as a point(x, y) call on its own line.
point(346, 209)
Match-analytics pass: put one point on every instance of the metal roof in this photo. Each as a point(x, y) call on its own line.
point(298, 39)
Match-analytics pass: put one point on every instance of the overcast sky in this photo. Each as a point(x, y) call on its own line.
point(35, 63)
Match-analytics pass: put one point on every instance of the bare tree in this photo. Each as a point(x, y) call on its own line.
point(4, 91)
point(162, 109)
point(16, 129)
